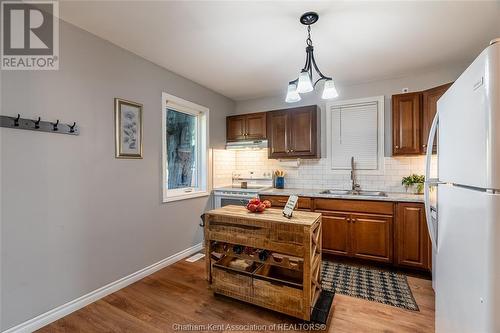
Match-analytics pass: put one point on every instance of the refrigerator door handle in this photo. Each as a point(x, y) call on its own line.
point(430, 181)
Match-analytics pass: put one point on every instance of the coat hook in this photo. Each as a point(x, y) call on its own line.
point(37, 123)
point(16, 120)
point(55, 125)
point(72, 128)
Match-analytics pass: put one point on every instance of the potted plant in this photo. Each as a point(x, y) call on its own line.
point(416, 182)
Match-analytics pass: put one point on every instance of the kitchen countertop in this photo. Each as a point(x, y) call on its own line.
point(269, 215)
point(301, 192)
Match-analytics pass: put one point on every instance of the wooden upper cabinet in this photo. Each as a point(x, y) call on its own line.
point(235, 128)
point(256, 126)
point(406, 123)
point(278, 125)
point(411, 237)
point(294, 133)
point(372, 237)
point(246, 127)
point(412, 116)
point(429, 109)
point(303, 132)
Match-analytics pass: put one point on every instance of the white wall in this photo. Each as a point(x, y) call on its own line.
point(74, 218)
point(421, 81)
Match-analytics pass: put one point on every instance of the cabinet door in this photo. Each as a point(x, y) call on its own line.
point(406, 120)
point(279, 201)
point(336, 234)
point(411, 236)
point(235, 128)
point(429, 108)
point(256, 126)
point(371, 237)
point(278, 128)
point(303, 132)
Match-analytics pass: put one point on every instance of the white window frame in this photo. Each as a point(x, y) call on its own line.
point(380, 134)
point(202, 164)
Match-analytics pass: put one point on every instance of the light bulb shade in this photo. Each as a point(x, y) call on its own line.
point(292, 95)
point(305, 84)
point(329, 90)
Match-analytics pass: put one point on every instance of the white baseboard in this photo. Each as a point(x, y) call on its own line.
point(65, 309)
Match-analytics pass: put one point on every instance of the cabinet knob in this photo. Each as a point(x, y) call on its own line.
point(397, 147)
point(424, 146)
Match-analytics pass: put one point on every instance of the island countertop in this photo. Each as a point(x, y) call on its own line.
point(269, 215)
point(301, 192)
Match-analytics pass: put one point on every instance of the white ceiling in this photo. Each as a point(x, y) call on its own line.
point(250, 49)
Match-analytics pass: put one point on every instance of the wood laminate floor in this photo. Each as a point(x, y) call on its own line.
point(179, 294)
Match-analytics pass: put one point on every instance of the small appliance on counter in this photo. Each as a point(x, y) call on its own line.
point(245, 185)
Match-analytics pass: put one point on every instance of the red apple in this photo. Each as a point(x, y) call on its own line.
point(255, 201)
point(252, 207)
point(267, 203)
point(261, 207)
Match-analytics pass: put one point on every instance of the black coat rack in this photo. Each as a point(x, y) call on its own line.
point(38, 125)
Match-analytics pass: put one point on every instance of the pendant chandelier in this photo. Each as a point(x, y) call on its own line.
point(304, 83)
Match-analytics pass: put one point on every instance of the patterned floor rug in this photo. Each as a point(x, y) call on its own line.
point(368, 283)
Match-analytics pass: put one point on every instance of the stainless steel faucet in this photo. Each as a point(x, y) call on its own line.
point(354, 186)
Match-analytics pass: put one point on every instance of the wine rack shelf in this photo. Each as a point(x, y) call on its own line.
point(274, 258)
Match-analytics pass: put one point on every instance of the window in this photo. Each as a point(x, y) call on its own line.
point(185, 144)
point(355, 128)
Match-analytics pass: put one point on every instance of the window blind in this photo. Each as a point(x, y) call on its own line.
point(355, 134)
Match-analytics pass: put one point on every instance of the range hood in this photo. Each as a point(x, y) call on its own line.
point(250, 144)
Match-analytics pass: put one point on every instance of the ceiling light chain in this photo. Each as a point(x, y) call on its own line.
point(303, 83)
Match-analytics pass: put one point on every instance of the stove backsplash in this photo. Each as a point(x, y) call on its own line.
point(316, 174)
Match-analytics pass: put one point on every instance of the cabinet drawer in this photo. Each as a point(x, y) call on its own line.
point(228, 279)
point(283, 298)
point(280, 201)
point(232, 282)
point(364, 206)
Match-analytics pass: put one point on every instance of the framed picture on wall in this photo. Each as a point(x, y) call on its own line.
point(128, 129)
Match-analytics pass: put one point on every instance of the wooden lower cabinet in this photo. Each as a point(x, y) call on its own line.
point(371, 237)
point(336, 233)
point(279, 201)
point(412, 242)
point(363, 236)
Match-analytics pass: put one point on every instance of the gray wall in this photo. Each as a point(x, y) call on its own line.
point(74, 218)
point(389, 87)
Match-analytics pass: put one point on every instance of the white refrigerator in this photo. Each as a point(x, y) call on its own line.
point(463, 199)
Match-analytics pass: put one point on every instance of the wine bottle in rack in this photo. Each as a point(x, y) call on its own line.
point(248, 250)
point(238, 249)
point(263, 255)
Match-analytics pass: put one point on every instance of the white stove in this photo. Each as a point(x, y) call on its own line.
point(245, 186)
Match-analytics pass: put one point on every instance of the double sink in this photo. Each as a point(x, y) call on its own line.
point(359, 193)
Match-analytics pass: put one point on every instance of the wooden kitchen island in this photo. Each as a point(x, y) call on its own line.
point(264, 258)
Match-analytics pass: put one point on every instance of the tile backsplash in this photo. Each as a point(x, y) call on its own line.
point(224, 163)
point(317, 174)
